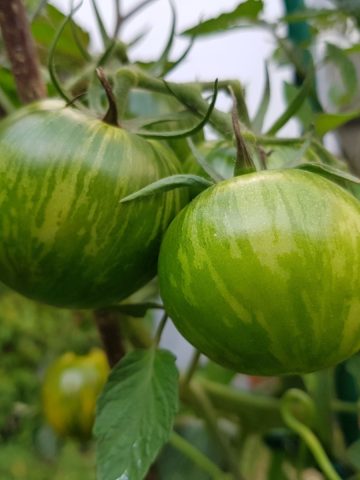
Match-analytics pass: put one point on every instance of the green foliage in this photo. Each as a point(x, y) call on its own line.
point(218, 421)
point(135, 414)
point(31, 337)
point(248, 10)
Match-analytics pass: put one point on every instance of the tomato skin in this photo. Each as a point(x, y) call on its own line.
point(65, 238)
point(70, 390)
point(262, 273)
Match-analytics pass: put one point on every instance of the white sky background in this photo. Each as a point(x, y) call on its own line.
point(240, 54)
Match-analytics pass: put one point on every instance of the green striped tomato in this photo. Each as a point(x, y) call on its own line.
point(65, 238)
point(262, 272)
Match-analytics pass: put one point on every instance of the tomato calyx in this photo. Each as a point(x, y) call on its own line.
point(111, 116)
point(243, 163)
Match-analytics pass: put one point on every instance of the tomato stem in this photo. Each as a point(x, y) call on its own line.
point(108, 326)
point(197, 457)
point(304, 431)
point(194, 362)
point(160, 329)
point(244, 162)
point(200, 401)
point(111, 116)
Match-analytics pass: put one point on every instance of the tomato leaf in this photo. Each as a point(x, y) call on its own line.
point(135, 414)
point(293, 107)
point(325, 122)
point(248, 10)
point(45, 26)
point(169, 183)
point(329, 171)
point(305, 113)
point(135, 309)
point(309, 14)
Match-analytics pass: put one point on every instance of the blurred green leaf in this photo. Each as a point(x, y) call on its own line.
point(7, 85)
point(135, 414)
point(353, 367)
point(309, 14)
point(294, 106)
point(329, 171)
point(216, 373)
point(44, 28)
point(342, 94)
point(326, 122)
point(305, 113)
point(353, 454)
point(248, 10)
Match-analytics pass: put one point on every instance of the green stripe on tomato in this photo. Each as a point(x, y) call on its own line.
point(262, 273)
point(65, 238)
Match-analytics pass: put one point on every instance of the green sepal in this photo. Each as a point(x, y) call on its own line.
point(169, 183)
point(329, 171)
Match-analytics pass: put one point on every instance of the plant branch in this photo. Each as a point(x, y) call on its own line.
point(137, 9)
point(203, 406)
point(190, 96)
point(197, 457)
point(304, 431)
point(108, 326)
point(21, 50)
point(194, 362)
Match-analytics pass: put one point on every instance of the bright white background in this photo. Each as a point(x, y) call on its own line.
point(240, 54)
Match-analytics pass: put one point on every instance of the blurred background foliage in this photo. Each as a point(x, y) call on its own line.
point(32, 336)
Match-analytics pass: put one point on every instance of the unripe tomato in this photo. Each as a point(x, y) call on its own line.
point(65, 238)
point(70, 390)
point(262, 272)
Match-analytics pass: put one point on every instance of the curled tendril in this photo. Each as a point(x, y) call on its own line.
point(183, 133)
point(51, 63)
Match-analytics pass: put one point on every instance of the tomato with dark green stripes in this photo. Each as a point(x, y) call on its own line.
point(262, 273)
point(65, 239)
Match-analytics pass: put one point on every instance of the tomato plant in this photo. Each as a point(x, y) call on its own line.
point(260, 272)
